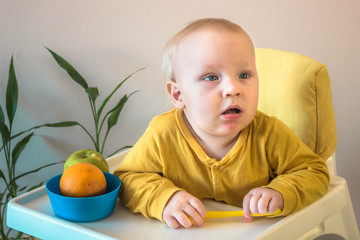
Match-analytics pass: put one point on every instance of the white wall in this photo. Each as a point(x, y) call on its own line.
point(107, 40)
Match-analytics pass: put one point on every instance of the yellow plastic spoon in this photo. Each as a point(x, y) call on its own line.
point(224, 214)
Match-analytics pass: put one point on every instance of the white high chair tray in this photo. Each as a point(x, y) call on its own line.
point(32, 213)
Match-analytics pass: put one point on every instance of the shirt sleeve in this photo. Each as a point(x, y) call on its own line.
point(301, 176)
point(144, 189)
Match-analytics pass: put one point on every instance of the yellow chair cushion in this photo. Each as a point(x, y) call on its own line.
point(296, 89)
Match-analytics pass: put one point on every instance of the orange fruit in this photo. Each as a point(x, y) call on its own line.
point(82, 180)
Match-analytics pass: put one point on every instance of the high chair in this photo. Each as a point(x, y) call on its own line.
point(294, 88)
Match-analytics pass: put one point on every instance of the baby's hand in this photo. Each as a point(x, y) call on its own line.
point(261, 200)
point(180, 207)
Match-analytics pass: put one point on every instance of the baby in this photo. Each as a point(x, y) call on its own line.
point(215, 144)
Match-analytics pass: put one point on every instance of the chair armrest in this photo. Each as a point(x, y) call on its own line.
point(331, 164)
point(115, 160)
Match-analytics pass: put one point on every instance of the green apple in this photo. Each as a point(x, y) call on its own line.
point(89, 156)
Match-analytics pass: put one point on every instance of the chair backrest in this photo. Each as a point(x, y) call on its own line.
point(296, 89)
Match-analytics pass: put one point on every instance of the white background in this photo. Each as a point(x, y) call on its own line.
point(107, 40)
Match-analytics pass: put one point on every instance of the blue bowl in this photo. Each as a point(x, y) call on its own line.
point(84, 209)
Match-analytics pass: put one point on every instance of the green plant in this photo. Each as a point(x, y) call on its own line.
point(13, 152)
point(92, 92)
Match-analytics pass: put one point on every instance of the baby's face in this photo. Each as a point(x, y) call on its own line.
point(217, 80)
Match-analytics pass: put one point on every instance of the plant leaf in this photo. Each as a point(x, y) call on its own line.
point(13, 190)
point(69, 69)
point(20, 146)
point(2, 175)
point(93, 93)
point(32, 171)
point(115, 112)
point(22, 188)
point(5, 133)
point(34, 187)
point(58, 124)
point(11, 93)
point(13, 181)
point(7, 196)
point(2, 116)
point(125, 147)
point(66, 124)
point(102, 106)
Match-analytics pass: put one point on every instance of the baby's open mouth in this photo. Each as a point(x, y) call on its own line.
point(232, 111)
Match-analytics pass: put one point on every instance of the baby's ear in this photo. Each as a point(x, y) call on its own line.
point(175, 94)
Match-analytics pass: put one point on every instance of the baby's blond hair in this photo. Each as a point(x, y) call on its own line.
point(173, 44)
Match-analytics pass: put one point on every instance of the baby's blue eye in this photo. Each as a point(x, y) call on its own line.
point(211, 78)
point(244, 76)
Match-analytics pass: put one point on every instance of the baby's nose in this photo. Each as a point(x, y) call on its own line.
point(231, 88)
